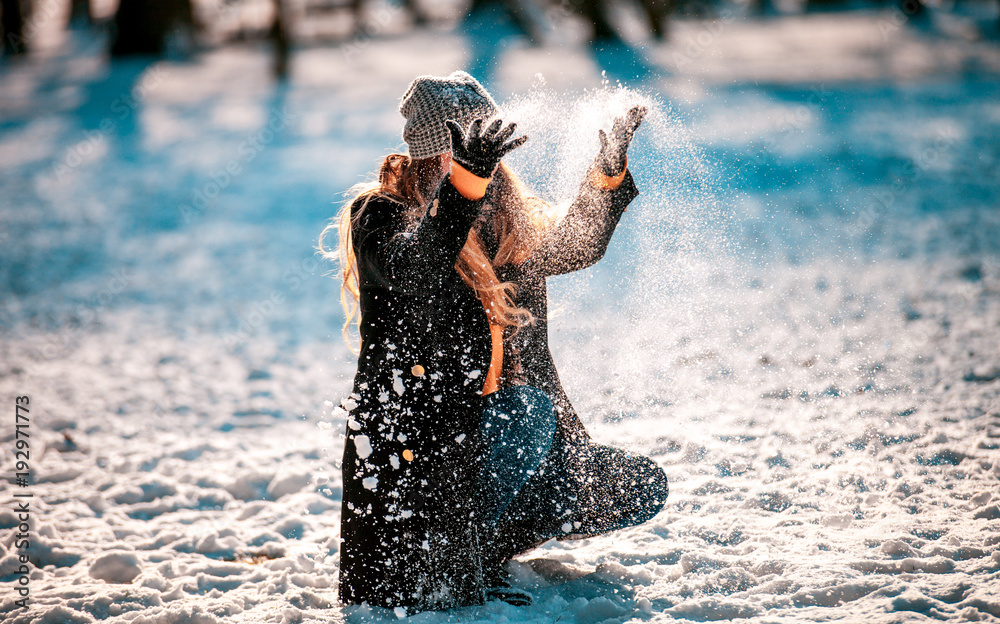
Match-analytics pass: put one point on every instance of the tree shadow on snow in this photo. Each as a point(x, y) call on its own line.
point(76, 249)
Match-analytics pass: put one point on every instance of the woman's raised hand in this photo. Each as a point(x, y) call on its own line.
point(480, 151)
point(612, 158)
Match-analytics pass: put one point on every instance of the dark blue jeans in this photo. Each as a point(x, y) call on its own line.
point(536, 485)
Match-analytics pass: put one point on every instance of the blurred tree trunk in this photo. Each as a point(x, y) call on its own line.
point(913, 8)
point(596, 12)
point(825, 5)
point(520, 17)
point(80, 13)
point(657, 15)
point(279, 36)
point(12, 27)
point(763, 8)
point(142, 26)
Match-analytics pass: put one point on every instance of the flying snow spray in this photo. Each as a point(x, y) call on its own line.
point(617, 328)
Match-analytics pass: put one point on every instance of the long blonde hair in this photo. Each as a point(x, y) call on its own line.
point(519, 221)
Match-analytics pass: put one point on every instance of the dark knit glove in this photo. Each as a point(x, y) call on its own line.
point(479, 151)
point(611, 159)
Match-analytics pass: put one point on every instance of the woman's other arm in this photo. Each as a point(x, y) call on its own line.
point(581, 238)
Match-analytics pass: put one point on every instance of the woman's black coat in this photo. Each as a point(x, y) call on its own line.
point(408, 529)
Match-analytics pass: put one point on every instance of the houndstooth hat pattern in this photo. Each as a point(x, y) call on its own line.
point(430, 101)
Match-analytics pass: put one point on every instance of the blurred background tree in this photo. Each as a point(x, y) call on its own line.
point(80, 13)
point(178, 27)
point(144, 26)
point(12, 26)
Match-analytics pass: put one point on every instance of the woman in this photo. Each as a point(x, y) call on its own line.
point(462, 449)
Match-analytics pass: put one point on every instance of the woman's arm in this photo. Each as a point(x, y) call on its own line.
point(413, 260)
point(581, 238)
point(421, 260)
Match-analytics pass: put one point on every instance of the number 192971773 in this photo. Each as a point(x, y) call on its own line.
point(22, 445)
point(22, 498)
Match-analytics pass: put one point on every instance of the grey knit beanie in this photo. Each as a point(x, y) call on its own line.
point(432, 100)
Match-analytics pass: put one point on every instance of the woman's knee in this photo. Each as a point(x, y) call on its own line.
point(653, 489)
point(519, 415)
point(625, 489)
point(537, 408)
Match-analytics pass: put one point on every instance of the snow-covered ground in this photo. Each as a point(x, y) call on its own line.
point(799, 319)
